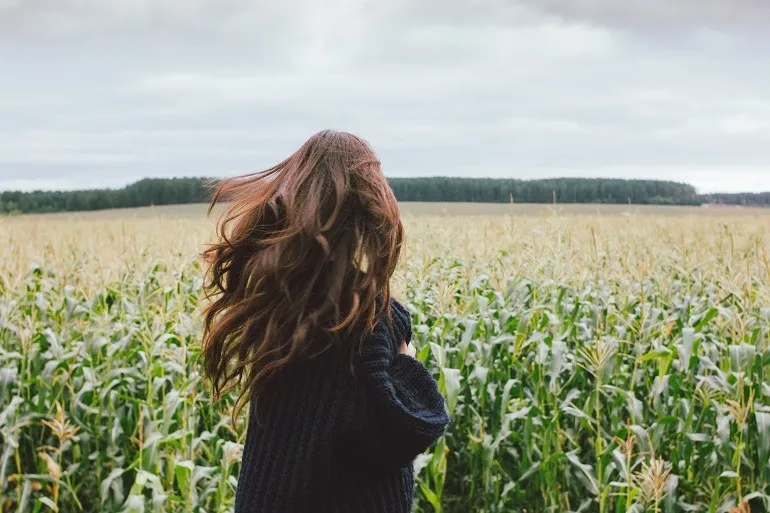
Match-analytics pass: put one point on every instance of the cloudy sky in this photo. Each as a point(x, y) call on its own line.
point(97, 93)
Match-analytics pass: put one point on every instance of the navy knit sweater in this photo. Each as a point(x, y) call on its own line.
point(326, 441)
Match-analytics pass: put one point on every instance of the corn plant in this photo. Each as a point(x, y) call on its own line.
point(590, 364)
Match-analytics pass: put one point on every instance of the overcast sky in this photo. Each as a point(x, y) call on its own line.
point(97, 93)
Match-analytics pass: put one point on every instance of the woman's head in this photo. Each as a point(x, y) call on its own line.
point(304, 249)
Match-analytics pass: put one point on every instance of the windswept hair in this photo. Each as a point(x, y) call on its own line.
point(303, 261)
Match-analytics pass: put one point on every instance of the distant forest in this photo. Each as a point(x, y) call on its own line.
point(169, 191)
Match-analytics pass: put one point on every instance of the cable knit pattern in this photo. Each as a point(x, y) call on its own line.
point(328, 441)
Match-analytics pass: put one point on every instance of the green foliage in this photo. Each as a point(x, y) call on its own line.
point(150, 191)
point(558, 190)
point(602, 384)
point(170, 191)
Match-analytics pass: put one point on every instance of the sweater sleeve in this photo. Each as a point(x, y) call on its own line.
point(402, 322)
point(402, 411)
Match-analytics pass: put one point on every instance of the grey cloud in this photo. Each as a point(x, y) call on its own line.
point(664, 14)
point(95, 92)
point(248, 17)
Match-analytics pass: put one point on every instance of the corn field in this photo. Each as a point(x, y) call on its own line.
point(590, 364)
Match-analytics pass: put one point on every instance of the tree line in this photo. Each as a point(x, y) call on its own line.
point(168, 191)
point(150, 191)
point(748, 199)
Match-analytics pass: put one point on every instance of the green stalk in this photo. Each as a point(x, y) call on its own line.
point(599, 442)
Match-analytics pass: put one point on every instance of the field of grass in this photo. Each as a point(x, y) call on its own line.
point(410, 209)
point(604, 359)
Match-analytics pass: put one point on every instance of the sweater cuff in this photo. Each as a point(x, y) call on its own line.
point(414, 398)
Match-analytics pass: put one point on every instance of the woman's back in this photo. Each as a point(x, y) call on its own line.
point(302, 321)
point(328, 441)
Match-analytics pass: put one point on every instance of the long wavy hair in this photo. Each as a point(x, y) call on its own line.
point(303, 261)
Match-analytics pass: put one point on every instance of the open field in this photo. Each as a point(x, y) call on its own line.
point(198, 210)
point(592, 362)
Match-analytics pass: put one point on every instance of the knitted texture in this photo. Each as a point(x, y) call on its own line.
point(330, 441)
point(402, 322)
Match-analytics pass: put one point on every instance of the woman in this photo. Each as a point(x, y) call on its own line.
point(303, 322)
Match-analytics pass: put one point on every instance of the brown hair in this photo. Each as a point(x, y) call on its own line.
point(303, 262)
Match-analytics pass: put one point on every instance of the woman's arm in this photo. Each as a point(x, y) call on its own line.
point(401, 412)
